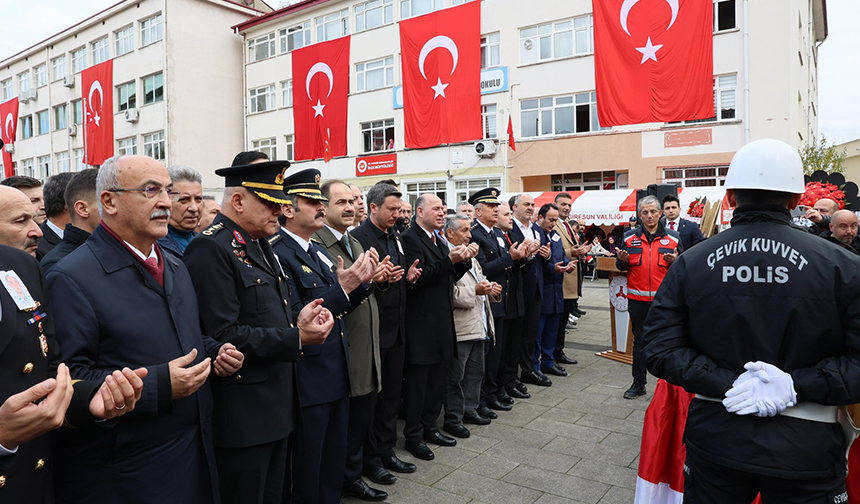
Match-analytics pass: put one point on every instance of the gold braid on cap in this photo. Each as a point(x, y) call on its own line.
point(272, 198)
point(259, 185)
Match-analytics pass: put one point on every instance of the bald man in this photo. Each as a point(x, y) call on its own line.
point(18, 226)
point(820, 215)
point(843, 230)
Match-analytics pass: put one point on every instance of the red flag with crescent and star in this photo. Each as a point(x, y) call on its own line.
point(97, 89)
point(653, 60)
point(9, 122)
point(441, 65)
point(320, 90)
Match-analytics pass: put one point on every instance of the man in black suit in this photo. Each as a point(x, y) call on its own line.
point(84, 216)
point(672, 220)
point(56, 212)
point(430, 334)
point(244, 298)
point(379, 232)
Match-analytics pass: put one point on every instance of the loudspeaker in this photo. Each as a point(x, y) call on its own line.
point(658, 190)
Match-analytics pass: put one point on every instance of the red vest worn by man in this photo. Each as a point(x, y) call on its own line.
point(646, 266)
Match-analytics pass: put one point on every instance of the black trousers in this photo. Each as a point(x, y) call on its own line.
point(360, 418)
point(383, 429)
point(638, 310)
point(529, 338)
point(706, 482)
point(511, 350)
point(424, 388)
point(493, 362)
point(319, 453)
point(562, 323)
point(252, 475)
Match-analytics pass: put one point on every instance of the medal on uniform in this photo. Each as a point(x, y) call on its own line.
point(239, 237)
point(36, 318)
point(43, 341)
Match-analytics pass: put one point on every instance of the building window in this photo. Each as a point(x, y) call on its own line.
point(101, 53)
point(24, 83)
point(332, 26)
point(696, 176)
point(374, 74)
point(79, 160)
point(78, 112)
point(43, 122)
point(26, 127)
point(490, 50)
point(488, 121)
point(415, 189)
point(126, 146)
point(125, 96)
point(150, 30)
point(377, 135)
point(266, 146)
point(589, 181)
point(61, 117)
point(262, 98)
point(560, 115)
point(153, 88)
point(409, 8)
point(261, 48)
point(58, 68)
point(79, 60)
point(44, 166)
point(8, 90)
point(124, 40)
point(556, 40)
point(465, 188)
point(287, 93)
point(724, 15)
point(62, 159)
point(290, 146)
point(41, 75)
point(295, 37)
point(725, 90)
point(153, 145)
point(27, 168)
point(372, 14)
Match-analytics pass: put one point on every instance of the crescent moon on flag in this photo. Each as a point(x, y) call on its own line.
point(628, 4)
point(319, 67)
point(9, 123)
point(436, 42)
point(96, 86)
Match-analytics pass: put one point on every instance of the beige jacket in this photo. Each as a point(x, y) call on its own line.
point(571, 290)
point(468, 316)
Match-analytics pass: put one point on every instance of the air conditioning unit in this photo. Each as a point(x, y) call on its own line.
point(486, 148)
point(24, 97)
point(34, 95)
point(73, 130)
point(132, 115)
point(69, 81)
point(10, 148)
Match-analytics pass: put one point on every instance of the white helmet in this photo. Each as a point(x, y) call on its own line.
point(769, 165)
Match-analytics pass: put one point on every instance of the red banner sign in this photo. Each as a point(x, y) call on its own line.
point(376, 165)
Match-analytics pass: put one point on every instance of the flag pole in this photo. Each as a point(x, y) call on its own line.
point(84, 124)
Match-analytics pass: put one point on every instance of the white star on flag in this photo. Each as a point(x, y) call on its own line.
point(439, 88)
point(649, 51)
point(318, 109)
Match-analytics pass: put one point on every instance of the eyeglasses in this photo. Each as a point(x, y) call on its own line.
point(150, 191)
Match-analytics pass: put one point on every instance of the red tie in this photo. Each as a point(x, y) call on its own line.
point(433, 237)
point(152, 261)
point(672, 225)
point(508, 238)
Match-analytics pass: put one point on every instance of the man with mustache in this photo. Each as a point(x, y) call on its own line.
point(18, 226)
point(185, 210)
point(125, 302)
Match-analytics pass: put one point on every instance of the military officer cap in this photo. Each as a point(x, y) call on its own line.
point(305, 183)
point(489, 195)
point(263, 179)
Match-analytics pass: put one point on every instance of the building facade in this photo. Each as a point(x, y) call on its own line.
point(177, 86)
point(538, 69)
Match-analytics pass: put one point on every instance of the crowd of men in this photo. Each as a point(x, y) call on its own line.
point(262, 350)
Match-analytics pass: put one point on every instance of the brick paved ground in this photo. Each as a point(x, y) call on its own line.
point(574, 442)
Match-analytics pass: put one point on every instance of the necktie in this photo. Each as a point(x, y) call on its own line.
point(345, 240)
point(672, 225)
point(314, 257)
point(508, 238)
point(152, 262)
point(569, 231)
point(433, 237)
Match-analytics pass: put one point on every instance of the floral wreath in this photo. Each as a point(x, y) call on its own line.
point(831, 186)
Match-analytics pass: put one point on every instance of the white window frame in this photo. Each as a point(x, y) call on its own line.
point(289, 141)
point(124, 38)
point(287, 93)
point(264, 95)
point(556, 105)
point(266, 41)
point(61, 116)
point(126, 146)
point(489, 121)
point(725, 94)
point(587, 181)
point(77, 111)
point(384, 65)
point(59, 68)
point(23, 82)
point(79, 59)
point(151, 30)
point(268, 146)
point(40, 75)
point(465, 187)
point(38, 122)
point(132, 96)
point(372, 128)
point(79, 160)
point(295, 37)
point(414, 188)
point(63, 162)
point(716, 15)
point(339, 19)
point(696, 176)
point(152, 77)
point(44, 163)
point(8, 88)
point(27, 168)
point(385, 8)
point(535, 36)
point(26, 127)
point(407, 8)
point(101, 50)
point(490, 46)
point(154, 146)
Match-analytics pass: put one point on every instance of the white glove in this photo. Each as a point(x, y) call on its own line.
point(763, 389)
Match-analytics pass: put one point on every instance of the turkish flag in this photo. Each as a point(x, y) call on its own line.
point(653, 60)
point(9, 121)
point(320, 89)
point(97, 86)
point(441, 66)
point(511, 143)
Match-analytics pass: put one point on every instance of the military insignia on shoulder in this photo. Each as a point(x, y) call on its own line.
point(273, 239)
point(316, 240)
point(239, 237)
point(306, 268)
point(214, 228)
point(474, 225)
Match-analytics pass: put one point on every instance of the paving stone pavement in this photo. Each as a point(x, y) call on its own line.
point(574, 442)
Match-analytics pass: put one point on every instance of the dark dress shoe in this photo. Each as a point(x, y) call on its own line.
point(561, 358)
point(504, 398)
point(393, 463)
point(571, 326)
point(457, 430)
point(438, 438)
point(475, 419)
point(519, 394)
point(380, 476)
point(420, 451)
point(635, 391)
point(536, 378)
point(487, 412)
point(361, 490)
point(496, 405)
point(520, 386)
point(578, 313)
point(554, 370)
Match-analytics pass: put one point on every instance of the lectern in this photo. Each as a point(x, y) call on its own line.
point(622, 329)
